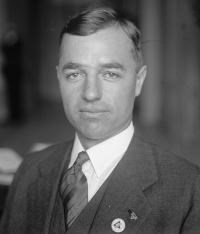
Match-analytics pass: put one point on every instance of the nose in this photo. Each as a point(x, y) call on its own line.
point(92, 90)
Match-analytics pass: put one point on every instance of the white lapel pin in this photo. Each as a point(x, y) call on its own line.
point(132, 215)
point(118, 225)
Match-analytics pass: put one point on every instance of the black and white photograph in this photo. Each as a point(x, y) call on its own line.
point(99, 116)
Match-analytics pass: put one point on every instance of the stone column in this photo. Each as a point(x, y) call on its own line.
point(190, 70)
point(3, 111)
point(181, 80)
point(150, 19)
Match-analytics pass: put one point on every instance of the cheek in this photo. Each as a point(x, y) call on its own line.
point(67, 98)
point(123, 98)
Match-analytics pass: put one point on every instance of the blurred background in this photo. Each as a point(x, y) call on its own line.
point(167, 112)
point(31, 114)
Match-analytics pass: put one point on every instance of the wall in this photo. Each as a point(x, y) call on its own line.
point(3, 111)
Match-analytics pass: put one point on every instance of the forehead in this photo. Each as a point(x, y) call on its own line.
point(103, 46)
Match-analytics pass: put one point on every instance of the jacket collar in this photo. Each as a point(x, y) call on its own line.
point(56, 158)
point(124, 190)
point(50, 171)
point(124, 193)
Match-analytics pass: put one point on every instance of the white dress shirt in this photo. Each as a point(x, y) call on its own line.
point(103, 158)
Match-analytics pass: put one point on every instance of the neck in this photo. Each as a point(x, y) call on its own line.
point(90, 142)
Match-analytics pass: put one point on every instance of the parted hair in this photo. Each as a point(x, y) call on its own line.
point(94, 19)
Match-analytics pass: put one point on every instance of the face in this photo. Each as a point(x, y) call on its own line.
point(98, 82)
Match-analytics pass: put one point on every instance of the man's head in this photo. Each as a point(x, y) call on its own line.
point(100, 72)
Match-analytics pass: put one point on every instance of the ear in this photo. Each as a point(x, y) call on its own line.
point(141, 75)
point(57, 71)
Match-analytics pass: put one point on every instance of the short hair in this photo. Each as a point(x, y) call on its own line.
point(94, 19)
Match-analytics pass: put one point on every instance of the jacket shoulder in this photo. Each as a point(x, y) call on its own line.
point(169, 163)
point(36, 157)
point(28, 169)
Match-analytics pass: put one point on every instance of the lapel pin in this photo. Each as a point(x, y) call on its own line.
point(132, 215)
point(118, 225)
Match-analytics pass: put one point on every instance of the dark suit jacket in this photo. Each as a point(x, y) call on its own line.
point(160, 188)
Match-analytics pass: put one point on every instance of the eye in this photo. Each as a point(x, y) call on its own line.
point(74, 76)
point(111, 75)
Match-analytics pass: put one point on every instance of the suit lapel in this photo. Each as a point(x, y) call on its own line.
point(125, 191)
point(47, 184)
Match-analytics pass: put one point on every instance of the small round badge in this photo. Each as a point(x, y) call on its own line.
point(118, 225)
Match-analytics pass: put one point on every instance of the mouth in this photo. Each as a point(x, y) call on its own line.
point(92, 113)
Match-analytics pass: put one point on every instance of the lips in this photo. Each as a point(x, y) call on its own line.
point(92, 113)
point(93, 110)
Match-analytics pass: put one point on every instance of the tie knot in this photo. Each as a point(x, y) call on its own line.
point(81, 159)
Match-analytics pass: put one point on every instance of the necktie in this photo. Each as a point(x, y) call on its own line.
point(74, 189)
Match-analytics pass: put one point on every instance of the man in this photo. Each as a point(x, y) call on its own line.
point(131, 186)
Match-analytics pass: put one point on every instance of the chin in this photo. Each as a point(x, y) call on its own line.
point(95, 135)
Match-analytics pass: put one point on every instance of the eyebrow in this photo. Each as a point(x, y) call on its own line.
point(72, 66)
point(112, 65)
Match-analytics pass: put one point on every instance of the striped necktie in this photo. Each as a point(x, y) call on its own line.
point(74, 189)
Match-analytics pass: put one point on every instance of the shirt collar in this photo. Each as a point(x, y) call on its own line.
point(106, 153)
